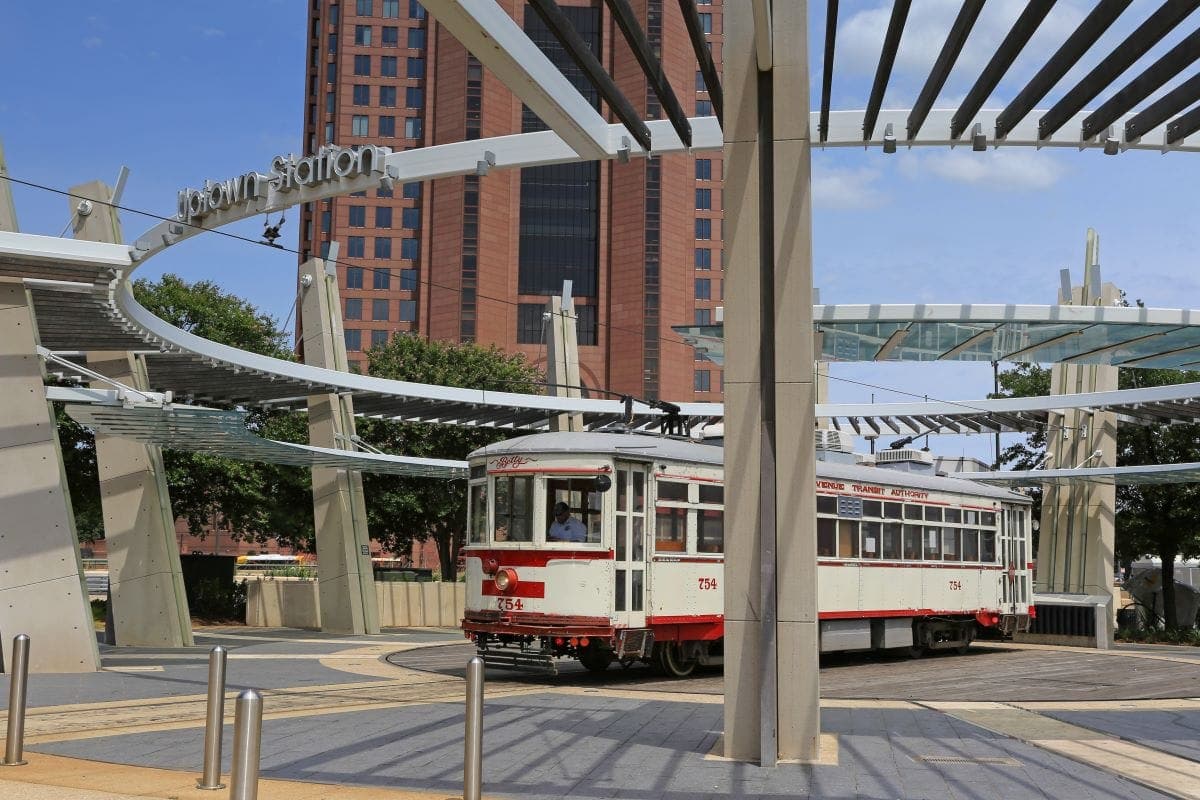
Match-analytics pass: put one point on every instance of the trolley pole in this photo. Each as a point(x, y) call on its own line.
point(473, 739)
point(215, 721)
point(14, 745)
point(247, 746)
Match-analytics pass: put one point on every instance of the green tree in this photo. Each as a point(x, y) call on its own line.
point(401, 510)
point(1026, 380)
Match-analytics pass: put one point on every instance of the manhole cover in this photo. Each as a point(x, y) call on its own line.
point(992, 761)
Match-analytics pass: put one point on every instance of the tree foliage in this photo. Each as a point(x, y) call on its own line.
point(402, 510)
point(1162, 520)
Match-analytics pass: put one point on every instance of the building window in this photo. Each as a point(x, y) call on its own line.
point(412, 190)
point(531, 327)
point(408, 280)
point(387, 66)
point(362, 8)
point(328, 132)
point(410, 249)
point(415, 10)
point(408, 310)
point(703, 316)
point(703, 258)
point(332, 44)
point(358, 216)
point(387, 96)
point(330, 102)
point(354, 340)
point(703, 289)
point(360, 125)
point(704, 169)
point(414, 97)
point(362, 35)
point(703, 228)
point(334, 14)
point(387, 126)
point(383, 279)
point(391, 9)
point(362, 65)
point(706, 23)
point(704, 199)
point(413, 128)
point(383, 246)
point(353, 308)
point(700, 85)
point(362, 94)
point(389, 36)
point(704, 108)
point(410, 218)
point(354, 277)
point(379, 338)
point(383, 191)
point(416, 67)
point(326, 221)
point(379, 310)
point(331, 73)
point(416, 38)
point(356, 246)
point(702, 380)
point(383, 216)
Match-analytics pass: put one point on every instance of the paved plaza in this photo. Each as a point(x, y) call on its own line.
point(382, 716)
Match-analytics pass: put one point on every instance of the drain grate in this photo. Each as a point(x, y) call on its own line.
point(992, 761)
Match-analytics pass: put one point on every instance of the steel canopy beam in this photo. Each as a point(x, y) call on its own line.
point(627, 21)
point(712, 79)
point(1162, 109)
point(1022, 30)
point(1148, 34)
point(887, 59)
point(831, 14)
point(1079, 42)
point(951, 49)
point(1184, 126)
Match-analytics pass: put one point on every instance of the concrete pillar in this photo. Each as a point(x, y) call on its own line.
point(562, 358)
point(344, 579)
point(144, 575)
point(771, 693)
point(8, 211)
point(1076, 534)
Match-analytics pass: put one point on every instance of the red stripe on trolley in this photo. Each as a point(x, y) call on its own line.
point(538, 558)
point(686, 620)
point(535, 590)
point(551, 471)
point(919, 565)
point(716, 558)
point(895, 612)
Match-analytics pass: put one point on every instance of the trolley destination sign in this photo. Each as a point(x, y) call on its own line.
point(287, 173)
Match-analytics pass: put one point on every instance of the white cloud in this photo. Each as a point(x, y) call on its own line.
point(92, 42)
point(997, 169)
point(210, 33)
point(847, 188)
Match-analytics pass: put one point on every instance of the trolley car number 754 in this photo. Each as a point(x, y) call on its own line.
point(509, 604)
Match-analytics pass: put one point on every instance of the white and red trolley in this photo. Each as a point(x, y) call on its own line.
point(905, 559)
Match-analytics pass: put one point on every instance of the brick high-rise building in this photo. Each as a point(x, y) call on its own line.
point(474, 258)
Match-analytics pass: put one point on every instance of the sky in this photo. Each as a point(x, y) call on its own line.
point(180, 92)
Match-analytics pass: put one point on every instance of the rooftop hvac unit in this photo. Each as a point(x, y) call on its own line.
point(865, 459)
point(905, 459)
point(834, 440)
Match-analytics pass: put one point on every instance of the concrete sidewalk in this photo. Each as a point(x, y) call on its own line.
point(342, 722)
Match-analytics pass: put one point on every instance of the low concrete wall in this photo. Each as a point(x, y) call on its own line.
point(292, 603)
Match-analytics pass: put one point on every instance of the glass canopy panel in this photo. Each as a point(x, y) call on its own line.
point(1091, 338)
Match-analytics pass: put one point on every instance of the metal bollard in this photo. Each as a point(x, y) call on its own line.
point(473, 739)
point(247, 744)
point(215, 721)
point(14, 745)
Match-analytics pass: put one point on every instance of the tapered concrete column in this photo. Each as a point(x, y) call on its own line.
point(771, 692)
point(8, 212)
point(145, 580)
point(1076, 536)
point(562, 359)
point(344, 579)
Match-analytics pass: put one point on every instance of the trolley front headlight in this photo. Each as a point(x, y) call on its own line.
point(506, 579)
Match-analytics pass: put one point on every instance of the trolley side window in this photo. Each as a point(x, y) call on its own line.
point(479, 513)
point(513, 508)
point(688, 514)
point(586, 504)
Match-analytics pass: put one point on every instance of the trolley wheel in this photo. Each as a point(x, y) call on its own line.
point(596, 659)
point(968, 637)
point(671, 661)
point(917, 651)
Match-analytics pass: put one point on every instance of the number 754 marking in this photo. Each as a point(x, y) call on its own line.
point(956, 586)
point(707, 583)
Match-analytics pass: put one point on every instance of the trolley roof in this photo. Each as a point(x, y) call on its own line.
point(654, 448)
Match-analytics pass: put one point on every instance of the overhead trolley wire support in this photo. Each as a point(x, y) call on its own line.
point(883, 72)
point(1138, 89)
point(1162, 109)
point(586, 60)
point(712, 79)
point(1018, 36)
point(951, 49)
point(1136, 45)
point(652, 67)
point(1079, 42)
point(831, 15)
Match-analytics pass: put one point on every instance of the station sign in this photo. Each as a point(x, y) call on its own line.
point(331, 164)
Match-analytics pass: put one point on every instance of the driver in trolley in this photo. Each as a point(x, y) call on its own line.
point(565, 528)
